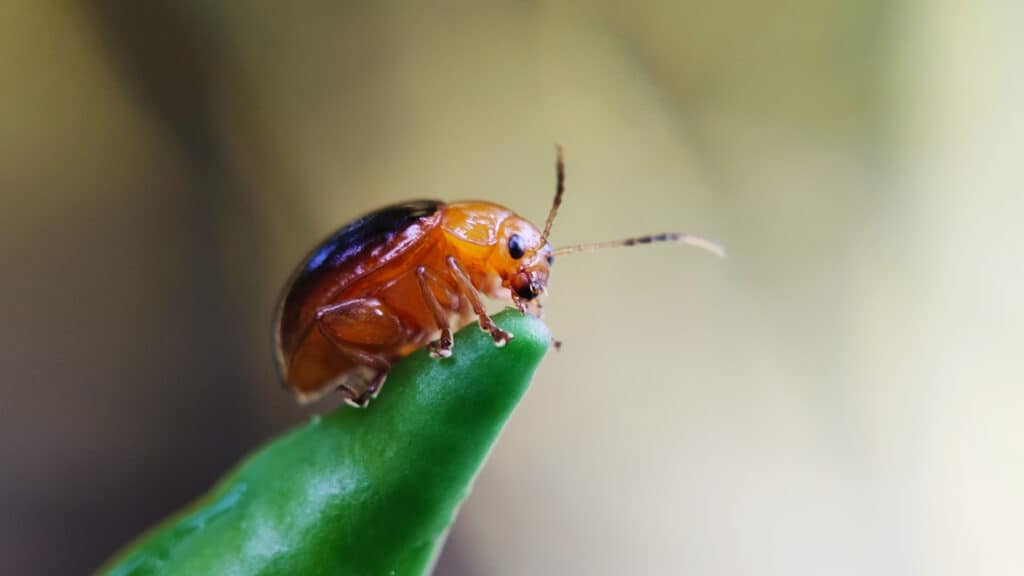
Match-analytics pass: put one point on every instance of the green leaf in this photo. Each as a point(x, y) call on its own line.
point(358, 491)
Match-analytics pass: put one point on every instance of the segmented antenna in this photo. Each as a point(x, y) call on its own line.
point(698, 241)
point(559, 191)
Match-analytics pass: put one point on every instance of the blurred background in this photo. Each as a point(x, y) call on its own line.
point(842, 396)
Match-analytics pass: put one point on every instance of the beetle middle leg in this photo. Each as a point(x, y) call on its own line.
point(354, 326)
point(442, 347)
point(499, 336)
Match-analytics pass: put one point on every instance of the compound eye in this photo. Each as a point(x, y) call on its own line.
point(516, 248)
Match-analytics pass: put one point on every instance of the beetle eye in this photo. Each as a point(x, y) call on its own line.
point(515, 247)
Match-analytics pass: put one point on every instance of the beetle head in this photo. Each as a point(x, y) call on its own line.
point(522, 259)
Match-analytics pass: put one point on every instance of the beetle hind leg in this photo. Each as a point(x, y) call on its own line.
point(353, 395)
point(356, 329)
point(358, 392)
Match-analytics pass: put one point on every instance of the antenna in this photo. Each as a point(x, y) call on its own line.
point(697, 241)
point(559, 191)
point(677, 237)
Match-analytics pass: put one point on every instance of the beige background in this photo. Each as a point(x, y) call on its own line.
point(841, 396)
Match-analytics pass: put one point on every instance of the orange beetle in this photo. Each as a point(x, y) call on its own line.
point(386, 284)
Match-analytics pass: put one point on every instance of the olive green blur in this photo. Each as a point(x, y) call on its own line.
point(358, 491)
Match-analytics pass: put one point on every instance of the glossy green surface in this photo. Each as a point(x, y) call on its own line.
point(357, 491)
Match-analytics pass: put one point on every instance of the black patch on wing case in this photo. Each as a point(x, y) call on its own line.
point(373, 229)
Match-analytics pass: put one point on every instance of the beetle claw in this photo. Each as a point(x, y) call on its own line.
point(353, 398)
point(440, 348)
point(519, 304)
point(358, 393)
point(377, 386)
point(501, 337)
point(357, 402)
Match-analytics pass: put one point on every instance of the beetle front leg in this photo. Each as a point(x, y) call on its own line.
point(499, 336)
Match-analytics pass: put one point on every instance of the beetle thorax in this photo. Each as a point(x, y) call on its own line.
point(500, 250)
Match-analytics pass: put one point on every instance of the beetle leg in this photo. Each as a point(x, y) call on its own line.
point(442, 347)
point(519, 303)
point(355, 395)
point(359, 390)
point(499, 336)
point(349, 327)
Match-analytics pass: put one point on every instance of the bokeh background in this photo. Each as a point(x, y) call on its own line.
point(843, 395)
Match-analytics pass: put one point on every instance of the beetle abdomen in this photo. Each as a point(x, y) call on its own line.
point(355, 250)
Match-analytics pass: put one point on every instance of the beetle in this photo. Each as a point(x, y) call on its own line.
point(384, 285)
